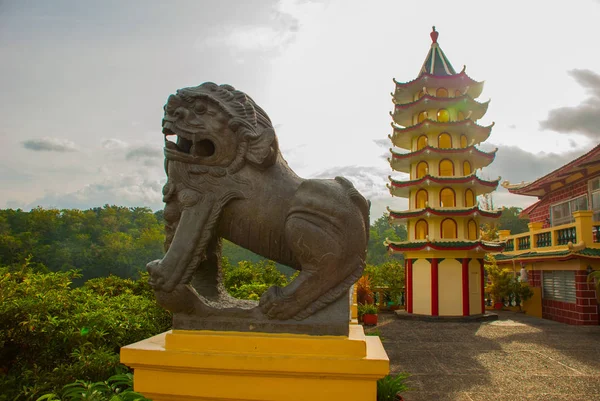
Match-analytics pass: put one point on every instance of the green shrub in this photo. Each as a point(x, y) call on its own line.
point(116, 388)
point(52, 334)
point(389, 386)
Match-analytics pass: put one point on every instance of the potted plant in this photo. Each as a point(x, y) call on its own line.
point(364, 292)
point(368, 313)
point(521, 292)
point(389, 387)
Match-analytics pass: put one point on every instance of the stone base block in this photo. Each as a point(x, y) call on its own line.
point(209, 365)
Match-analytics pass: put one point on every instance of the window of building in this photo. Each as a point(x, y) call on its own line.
point(422, 169)
point(421, 229)
point(448, 229)
point(421, 142)
point(457, 93)
point(467, 168)
point(421, 199)
point(469, 198)
point(595, 197)
point(559, 285)
point(463, 141)
point(444, 141)
point(441, 92)
point(562, 213)
point(419, 95)
point(447, 197)
point(472, 230)
point(460, 116)
point(446, 168)
point(422, 116)
point(443, 116)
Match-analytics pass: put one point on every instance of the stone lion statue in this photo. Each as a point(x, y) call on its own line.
point(228, 179)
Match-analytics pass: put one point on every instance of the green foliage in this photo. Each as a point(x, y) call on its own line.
point(52, 334)
point(379, 231)
point(509, 220)
point(115, 388)
point(501, 284)
point(367, 309)
point(389, 386)
point(389, 275)
point(98, 242)
point(250, 280)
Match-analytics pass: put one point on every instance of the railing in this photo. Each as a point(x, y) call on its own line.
point(566, 235)
point(583, 231)
point(543, 239)
point(524, 242)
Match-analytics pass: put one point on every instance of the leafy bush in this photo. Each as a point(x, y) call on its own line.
point(116, 388)
point(52, 334)
point(250, 280)
point(389, 386)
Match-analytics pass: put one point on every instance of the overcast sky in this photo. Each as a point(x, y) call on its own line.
point(82, 85)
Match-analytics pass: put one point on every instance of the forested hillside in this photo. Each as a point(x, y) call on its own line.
point(120, 240)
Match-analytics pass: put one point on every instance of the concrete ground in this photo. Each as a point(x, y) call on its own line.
point(515, 358)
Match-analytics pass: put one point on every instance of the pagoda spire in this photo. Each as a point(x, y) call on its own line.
point(436, 62)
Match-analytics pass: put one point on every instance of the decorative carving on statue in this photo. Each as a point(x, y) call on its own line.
point(228, 179)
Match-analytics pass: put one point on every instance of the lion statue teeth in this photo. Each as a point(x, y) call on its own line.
point(228, 179)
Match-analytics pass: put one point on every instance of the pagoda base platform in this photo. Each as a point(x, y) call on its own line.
point(488, 316)
point(210, 365)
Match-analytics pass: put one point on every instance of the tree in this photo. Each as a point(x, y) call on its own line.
point(379, 231)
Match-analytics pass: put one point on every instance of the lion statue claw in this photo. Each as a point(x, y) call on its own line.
point(228, 179)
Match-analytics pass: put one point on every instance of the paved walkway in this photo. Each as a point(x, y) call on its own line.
point(515, 358)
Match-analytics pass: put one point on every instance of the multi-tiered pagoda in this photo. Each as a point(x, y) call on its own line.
point(434, 120)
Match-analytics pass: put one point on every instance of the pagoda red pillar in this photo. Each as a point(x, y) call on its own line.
point(434, 288)
point(465, 286)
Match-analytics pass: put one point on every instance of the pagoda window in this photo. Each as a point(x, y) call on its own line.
point(467, 170)
point(469, 198)
point(472, 230)
point(419, 95)
point(457, 93)
point(448, 229)
point(447, 197)
point(422, 142)
point(421, 199)
point(460, 116)
point(444, 141)
point(446, 168)
point(422, 169)
point(441, 92)
point(422, 116)
point(463, 141)
point(421, 229)
point(443, 116)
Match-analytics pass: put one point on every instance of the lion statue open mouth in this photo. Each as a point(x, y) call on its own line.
point(227, 179)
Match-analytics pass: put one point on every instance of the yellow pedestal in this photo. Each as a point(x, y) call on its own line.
point(209, 365)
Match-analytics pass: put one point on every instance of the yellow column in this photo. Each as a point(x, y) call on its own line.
point(583, 226)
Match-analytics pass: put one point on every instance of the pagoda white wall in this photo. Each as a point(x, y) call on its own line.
point(474, 287)
point(450, 287)
point(421, 287)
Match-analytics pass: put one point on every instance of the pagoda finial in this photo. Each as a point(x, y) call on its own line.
point(434, 35)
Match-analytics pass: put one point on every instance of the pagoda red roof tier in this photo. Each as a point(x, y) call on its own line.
point(403, 113)
point(405, 91)
point(402, 137)
point(479, 186)
point(444, 245)
point(402, 161)
point(556, 178)
point(443, 212)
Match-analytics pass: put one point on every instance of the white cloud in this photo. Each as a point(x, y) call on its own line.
point(113, 143)
point(48, 144)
